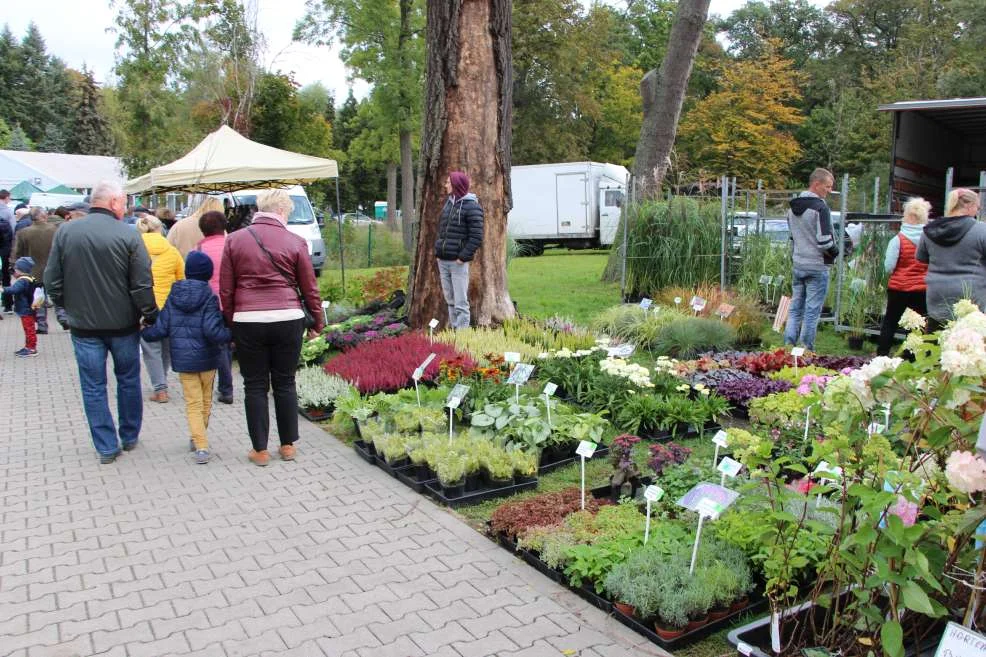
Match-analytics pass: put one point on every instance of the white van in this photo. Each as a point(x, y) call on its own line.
point(302, 221)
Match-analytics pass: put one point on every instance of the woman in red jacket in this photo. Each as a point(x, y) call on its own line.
point(906, 288)
point(266, 274)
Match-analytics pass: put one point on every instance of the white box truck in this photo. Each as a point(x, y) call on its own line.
point(576, 205)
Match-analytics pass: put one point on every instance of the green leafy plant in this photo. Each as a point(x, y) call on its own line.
point(316, 389)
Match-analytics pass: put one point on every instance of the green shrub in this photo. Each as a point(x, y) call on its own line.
point(688, 337)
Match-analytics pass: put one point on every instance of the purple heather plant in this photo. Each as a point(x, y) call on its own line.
point(621, 454)
point(837, 363)
point(739, 392)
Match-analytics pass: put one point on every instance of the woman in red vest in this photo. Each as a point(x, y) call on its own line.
point(906, 288)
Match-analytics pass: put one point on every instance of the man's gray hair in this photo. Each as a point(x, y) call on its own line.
point(820, 175)
point(38, 214)
point(106, 190)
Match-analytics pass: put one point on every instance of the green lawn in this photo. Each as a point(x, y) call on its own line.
point(561, 283)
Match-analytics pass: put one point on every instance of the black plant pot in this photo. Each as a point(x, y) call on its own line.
point(501, 483)
point(474, 481)
point(855, 342)
point(454, 490)
point(359, 434)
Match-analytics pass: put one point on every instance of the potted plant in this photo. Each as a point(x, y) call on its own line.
point(664, 455)
point(626, 475)
point(352, 404)
point(856, 319)
point(499, 469)
point(451, 471)
point(672, 614)
point(525, 466)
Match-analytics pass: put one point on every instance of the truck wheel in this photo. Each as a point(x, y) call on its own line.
point(529, 249)
point(318, 272)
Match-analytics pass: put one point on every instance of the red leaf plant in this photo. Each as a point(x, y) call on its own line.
point(512, 518)
point(386, 365)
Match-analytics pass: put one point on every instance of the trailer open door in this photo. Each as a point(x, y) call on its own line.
point(573, 203)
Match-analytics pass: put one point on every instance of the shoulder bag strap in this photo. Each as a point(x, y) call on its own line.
point(291, 283)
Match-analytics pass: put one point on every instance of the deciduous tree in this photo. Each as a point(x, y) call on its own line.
point(467, 128)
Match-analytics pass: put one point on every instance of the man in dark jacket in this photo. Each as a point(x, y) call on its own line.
point(6, 243)
point(35, 242)
point(815, 249)
point(460, 233)
point(99, 272)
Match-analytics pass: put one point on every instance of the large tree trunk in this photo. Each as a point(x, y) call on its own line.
point(407, 191)
point(466, 127)
point(391, 196)
point(663, 93)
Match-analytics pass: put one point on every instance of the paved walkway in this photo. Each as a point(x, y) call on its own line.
point(154, 555)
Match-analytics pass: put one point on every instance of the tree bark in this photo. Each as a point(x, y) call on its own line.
point(391, 196)
point(407, 191)
point(467, 126)
point(663, 93)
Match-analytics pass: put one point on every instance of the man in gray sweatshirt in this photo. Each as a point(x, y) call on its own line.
point(815, 249)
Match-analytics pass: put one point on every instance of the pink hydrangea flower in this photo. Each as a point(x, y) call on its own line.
point(966, 472)
point(906, 511)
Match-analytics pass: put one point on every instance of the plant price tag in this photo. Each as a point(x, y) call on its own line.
point(653, 493)
point(646, 303)
point(709, 508)
point(721, 438)
point(744, 649)
point(433, 324)
point(550, 388)
point(875, 428)
point(521, 374)
point(677, 300)
point(620, 351)
point(420, 370)
point(586, 449)
point(959, 641)
point(697, 303)
point(729, 467)
point(725, 310)
point(798, 352)
point(457, 395)
point(766, 280)
point(823, 468)
point(453, 402)
point(511, 357)
point(857, 285)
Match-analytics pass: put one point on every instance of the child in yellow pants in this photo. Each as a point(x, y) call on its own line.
point(196, 329)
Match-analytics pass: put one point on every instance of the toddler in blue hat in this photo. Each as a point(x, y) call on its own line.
point(22, 291)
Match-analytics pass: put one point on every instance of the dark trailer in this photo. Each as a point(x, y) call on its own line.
point(937, 145)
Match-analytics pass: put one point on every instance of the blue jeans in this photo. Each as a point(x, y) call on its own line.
point(90, 354)
point(810, 288)
point(224, 375)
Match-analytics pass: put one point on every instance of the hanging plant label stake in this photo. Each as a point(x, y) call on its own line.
point(432, 325)
point(961, 641)
point(721, 439)
point(453, 402)
point(325, 311)
point(585, 450)
point(419, 372)
point(520, 375)
point(549, 389)
point(645, 304)
point(797, 352)
point(651, 494)
point(729, 468)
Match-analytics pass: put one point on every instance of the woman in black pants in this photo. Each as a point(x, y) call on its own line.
point(265, 277)
point(906, 287)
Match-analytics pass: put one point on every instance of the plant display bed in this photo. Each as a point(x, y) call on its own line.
point(556, 462)
point(647, 629)
point(366, 451)
point(315, 414)
point(753, 639)
point(482, 494)
point(410, 476)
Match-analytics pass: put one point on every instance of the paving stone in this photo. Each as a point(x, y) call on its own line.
point(494, 643)
point(352, 641)
point(198, 639)
point(444, 636)
point(174, 643)
point(529, 632)
point(197, 620)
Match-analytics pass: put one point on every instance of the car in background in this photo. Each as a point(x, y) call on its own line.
point(358, 218)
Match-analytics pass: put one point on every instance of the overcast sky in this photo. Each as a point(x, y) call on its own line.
point(75, 31)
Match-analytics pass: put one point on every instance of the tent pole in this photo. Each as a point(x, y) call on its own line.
point(342, 259)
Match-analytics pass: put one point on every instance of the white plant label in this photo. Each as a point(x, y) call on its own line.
point(433, 324)
point(766, 280)
point(959, 641)
point(729, 467)
point(457, 395)
point(586, 449)
point(744, 649)
point(857, 285)
point(721, 438)
point(653, 493)
point(521, 374)
point(798, 352)
point(550, 388)
point(709, 508)
point(823, 468)
point(646, 303)
point(454, 403)
point(620, 351)
point(511, 357)
point(677, 300)
point(418, 373)
point(875, 428)
point(325, 304)
point(697, 303)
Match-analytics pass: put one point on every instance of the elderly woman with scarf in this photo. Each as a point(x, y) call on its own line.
point(460, 233)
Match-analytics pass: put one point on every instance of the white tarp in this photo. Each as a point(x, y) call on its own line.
point(226, 161)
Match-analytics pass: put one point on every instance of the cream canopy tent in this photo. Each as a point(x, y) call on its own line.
point(226, 161)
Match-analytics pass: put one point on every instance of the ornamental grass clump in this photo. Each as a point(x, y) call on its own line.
point(690, 336)
point(478, 341)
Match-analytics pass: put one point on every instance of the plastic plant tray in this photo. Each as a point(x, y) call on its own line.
point(477, 496)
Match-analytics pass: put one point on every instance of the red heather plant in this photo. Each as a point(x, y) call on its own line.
point(621, 455)
point(386, 365)
point(513, 518)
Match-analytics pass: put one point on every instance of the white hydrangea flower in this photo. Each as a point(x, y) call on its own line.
point(959, 398)
point(975, 321)
point(912, 321)
point(914, 342)
point(963, 352)
point(964, 307)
